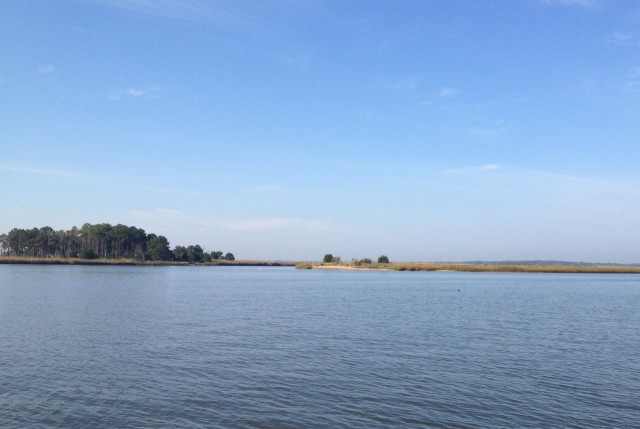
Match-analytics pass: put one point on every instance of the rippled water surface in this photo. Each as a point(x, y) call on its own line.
point(107, 347)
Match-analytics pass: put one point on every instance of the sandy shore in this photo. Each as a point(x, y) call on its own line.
point(459, 267)
point(347, 268)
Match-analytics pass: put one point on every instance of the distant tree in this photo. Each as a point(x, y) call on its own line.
point(119, 236)
point(180, 253)
point(383, 259)
point(100, 241)
point(46, 242)
point(158, 248)
point(216, 254)
point(328, 258)
point(137, 242)
point(195, 253)
point(87, 254)
point(4, 244)
point(72, 239)
point(363, 261)
point(17, 241)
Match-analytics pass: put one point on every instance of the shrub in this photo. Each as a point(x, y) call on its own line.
point(87, 254)
point(383, 259)
point(304, 266)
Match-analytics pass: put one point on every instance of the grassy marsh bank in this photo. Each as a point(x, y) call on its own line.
point(492, 268)
point(108, 261)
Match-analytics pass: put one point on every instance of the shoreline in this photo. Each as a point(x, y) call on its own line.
point(479, 268)
point(394, 266)
point(347, 268)
point(20, 260)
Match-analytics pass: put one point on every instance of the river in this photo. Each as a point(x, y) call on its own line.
point(275, 347)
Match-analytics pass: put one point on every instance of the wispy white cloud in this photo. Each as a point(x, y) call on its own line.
point(632, 80)
point(621, 37)
point(442, 93)
point(479, 168)
point(168, 190)
point(132, 93)
point(276, 224)
point(239, 15)
point(447, 92)
point(515, 174)
point(494, 129)
point(45, 70)
point(267, 189)
point(31, 170)
point(112, 180)
point(156, 213)
point(406, 83)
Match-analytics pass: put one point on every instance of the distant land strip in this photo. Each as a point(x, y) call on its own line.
point(524, 267)
point(479, 267)
point(110, 261)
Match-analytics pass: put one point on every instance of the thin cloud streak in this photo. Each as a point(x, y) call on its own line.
point(255, 225)
point(237, 15)
point(517, 174)
point(171, 191)
point(150, 93)
point(447, 92)
point(481, 168)
point(41, 171)
point(274, 224)
point(621, 38)
point(115, 181)
point(45, 70)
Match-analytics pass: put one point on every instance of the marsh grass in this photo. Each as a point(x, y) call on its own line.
point(77, 261)
point(304, 266)
point(478, 268)
point(395, 266)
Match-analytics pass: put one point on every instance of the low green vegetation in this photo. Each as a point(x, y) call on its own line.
point(383, 263)
point(304, 266)
point(330, 259)
point(101, 241)
point(602, 269)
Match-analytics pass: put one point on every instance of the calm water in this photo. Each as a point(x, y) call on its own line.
point(108, 347)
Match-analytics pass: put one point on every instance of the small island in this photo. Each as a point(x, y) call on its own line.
point(331, 262)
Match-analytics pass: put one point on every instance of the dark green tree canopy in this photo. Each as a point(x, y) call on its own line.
point(216, 254)
point(100, 241)
point(158, 248)
point(383, 259)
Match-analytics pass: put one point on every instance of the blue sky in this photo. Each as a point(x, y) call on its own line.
point(423, 130)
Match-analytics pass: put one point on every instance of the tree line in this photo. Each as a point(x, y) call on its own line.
point(330, 259)
point(101, 241)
